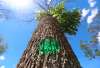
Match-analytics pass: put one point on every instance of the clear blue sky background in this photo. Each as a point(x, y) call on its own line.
point(17, 33)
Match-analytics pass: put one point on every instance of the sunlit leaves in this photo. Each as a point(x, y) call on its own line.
point(3, 16)
point(2, 49)
point(3, 46)
point(90, 48)
point(68, 20)
point(98, 53)
point(94, 27)
point(41, 15)
point(87, 50)
point(4, 12)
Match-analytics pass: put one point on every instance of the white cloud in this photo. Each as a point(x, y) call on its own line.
point(2, 66)
point(2, 58)
point(90, 18)
point(94, 12)
point(99, 34)
point(48, 2)
point(91, 0)
point(84, 12)
point(38, 11)
point(92, 3)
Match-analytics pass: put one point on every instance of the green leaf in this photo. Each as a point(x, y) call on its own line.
point(97, 53)
point(68, 20)
point(2, 49)
point(3, 46)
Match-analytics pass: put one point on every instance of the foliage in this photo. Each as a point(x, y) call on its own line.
point(68, 20)
point(41, 14)
point(3, 47)
point(87, 50)
point(90, 48)
point(94, 29)
point(98, 53)
point(4, 12)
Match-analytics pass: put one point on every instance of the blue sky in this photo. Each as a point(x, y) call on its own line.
point(17, 33)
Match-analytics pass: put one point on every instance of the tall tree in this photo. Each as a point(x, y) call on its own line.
point(48, 47)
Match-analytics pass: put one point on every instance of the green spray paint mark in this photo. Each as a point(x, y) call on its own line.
point(49, 45)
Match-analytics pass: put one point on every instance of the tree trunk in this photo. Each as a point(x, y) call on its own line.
point(65, 58)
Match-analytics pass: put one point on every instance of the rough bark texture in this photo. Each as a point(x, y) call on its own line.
point(31, 58)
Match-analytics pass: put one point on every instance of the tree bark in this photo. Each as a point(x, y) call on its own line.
point(48, 27)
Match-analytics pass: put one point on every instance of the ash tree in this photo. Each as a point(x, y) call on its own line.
point(48, 47)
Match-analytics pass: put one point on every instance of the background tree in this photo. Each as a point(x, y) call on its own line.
point(3, 15)
point(3, 46)
point(92, 47)
point(4, 12)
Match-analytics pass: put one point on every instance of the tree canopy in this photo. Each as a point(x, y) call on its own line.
point(68, 20)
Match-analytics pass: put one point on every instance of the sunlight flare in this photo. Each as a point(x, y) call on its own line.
point(19, 4)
